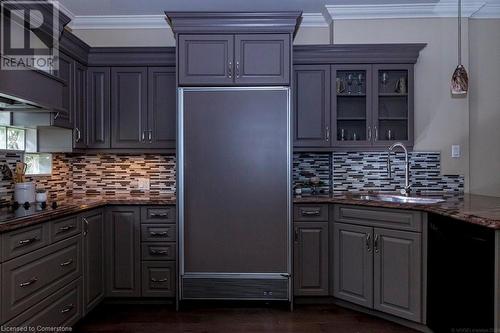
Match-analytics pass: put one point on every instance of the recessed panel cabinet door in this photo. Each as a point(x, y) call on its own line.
point(312, 106)
point(80, 102)
point(98, 107)
point(205, 59)
point(123, 271)
point(66, 72)
point(262, 59)
point(129, 107)
point(311, 259)
point(93, 258)
point(353, 264)
point(162, 107)
point(398, 273)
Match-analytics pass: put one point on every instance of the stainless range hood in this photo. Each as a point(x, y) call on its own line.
point(12, 104)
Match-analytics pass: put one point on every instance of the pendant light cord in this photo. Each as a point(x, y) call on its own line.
point(459, 32)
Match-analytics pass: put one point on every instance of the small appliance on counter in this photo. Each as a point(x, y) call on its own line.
point(24, 192)
point(41, 195)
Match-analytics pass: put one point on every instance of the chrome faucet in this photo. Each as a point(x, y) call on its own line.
point(406, 190)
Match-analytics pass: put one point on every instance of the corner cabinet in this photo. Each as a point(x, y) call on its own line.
point(241, 59)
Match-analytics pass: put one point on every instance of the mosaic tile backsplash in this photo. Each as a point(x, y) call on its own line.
point(364, 171)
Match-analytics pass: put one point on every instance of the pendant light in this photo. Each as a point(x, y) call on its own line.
point(459, 79)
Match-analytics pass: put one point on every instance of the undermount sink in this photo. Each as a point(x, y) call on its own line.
point(399, 199)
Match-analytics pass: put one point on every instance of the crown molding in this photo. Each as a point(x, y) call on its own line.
point(119, 22)
point(444, 8)
point(313, 20)
point(489, 11)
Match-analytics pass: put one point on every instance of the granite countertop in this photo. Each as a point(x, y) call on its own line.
point(475, 209)
point(74, 205)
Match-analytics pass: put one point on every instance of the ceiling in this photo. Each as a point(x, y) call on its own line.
point(154, 7)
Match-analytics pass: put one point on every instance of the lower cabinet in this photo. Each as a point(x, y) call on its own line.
point(311, 259)
point(123, 271)
point(158, 278)
point(379, 268)
point(93, 258)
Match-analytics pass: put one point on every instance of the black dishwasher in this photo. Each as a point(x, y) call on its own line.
point(461, 273)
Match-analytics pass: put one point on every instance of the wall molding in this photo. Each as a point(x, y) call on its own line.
point(314, 20)
point(91, 22)
point(444, 8)
point(489, 11)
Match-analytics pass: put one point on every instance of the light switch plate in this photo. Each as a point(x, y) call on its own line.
point(455, 151)
point(143, 183)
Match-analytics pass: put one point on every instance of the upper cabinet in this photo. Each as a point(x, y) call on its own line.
point(162, 106)
point(79, 106)
point(246, 59)
point(347, 98)
point(66, 73)
point(98, 107)
point(234, 48)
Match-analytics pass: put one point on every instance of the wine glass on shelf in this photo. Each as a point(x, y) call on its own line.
point(384, 80)
point(350, 79)
point(360, 83)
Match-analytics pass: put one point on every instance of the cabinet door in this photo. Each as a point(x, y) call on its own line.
point(353, 264)
point(129, 107)
point(123, 271)
point(80, 99)
point(262, 59)
point(398, 273)
point(393, 104)
point(352, 106)
point(93, 258)
point(98, 107)
point(205, 59)
point(162, 107)
point(312, 106)
point(311, 259)
point(66, 72)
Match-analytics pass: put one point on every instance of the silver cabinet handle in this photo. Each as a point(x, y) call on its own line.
point(86, 227)
point(28, 283)
point(56, 116)
point(150, 136)
point(376, 243)
point(327, 130)
point(159, 280)
point(158, 252)
point(66, 263)
point(78, 134)
point(230, 69)
point(369, 134)
point(296, 235)
point(237, 69)
point(316, 212)
point(376, 133)
point(67, 308)
point(158, 234)
point(65, 228)
point(160, 215)
point(368, 242)
point(24, 242)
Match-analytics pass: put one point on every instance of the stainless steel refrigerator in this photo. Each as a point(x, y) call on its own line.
point(234, 193)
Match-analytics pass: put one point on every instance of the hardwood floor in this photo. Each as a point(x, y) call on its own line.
point(209, 318)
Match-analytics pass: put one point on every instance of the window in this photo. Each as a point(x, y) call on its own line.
point(38, 164)
point(12, 138)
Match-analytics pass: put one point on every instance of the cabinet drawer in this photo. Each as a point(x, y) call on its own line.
point(29, 279)
point(158, 251)
point(157, 233)
point(61, 309)
point(157, 214)
point(65, 228)
point(158, 279)
point(22, 241)
point(379, 217)
point(310, 212)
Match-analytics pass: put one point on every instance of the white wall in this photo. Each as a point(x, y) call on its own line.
point(440, 120)
point(484, 55)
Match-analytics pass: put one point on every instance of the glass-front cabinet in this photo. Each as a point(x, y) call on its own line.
point(393, 104)
point(351, 105)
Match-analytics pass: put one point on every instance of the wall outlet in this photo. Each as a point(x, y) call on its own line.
point(455, 151)
point(143, 183)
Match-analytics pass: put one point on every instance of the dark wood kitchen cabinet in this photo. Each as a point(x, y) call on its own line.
point(311, 259)
point(129, 102)
point(162, 105)
point(311, 98)
point(64, 118)
point(93, 258)
point(79, 108)
point(123, 248)
point(99, 107)
point(241, 59)
point(353, 264)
